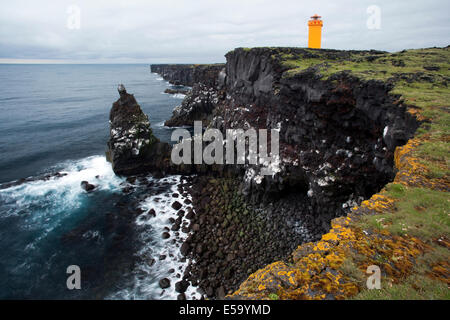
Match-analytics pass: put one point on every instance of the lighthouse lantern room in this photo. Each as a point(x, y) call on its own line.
point(315, 32)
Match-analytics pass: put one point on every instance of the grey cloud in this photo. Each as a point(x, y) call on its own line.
point(204, 30)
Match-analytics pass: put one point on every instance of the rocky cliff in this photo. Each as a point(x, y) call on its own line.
point(337, 135)
point(197, 106)
point(188, 74)
point(342, 117)
point(337, 142)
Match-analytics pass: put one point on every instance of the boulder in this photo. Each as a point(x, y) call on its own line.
point(185, 248)
point(176, 205)
point(87, 186)
point(166, 235)
point(181, 286)
point(164, 283)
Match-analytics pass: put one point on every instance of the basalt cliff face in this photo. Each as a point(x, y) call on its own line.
point(188, 74)
point(342, 118)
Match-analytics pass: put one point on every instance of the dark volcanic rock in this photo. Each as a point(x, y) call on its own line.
point(181, 286)
point(337, 136)
point(197, 106)
point(164, 283)
point(166, 235)
point(176, 205)
point(220, 293)
point(199, 103)
point(184, 248)
point(132, 147)
point(236, 238)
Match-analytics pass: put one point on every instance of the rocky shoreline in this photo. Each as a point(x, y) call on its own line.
point(227, 237)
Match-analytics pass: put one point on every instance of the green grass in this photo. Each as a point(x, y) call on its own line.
point(366, 65)
point(273, 296)
point(351, 270)
point(434, 155)
point(422, 213)
point(416, 287)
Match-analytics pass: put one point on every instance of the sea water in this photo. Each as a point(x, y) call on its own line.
point(54, 118)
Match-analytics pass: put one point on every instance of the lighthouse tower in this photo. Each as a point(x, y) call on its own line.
point(315, 32)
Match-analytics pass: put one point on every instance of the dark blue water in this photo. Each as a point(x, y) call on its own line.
point(52, 113)
point(54, 118)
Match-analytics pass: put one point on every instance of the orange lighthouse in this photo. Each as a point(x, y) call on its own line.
point(315, 32)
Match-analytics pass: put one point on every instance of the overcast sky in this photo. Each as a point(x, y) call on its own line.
point(202, 31)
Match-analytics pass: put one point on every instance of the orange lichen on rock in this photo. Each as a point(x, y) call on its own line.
point(416, 112)
point(441, 271)
point(377, 203)
point(413, 173)
point(410, 169)
point(315, 270)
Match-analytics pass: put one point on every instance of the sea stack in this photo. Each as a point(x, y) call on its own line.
point(132, 146)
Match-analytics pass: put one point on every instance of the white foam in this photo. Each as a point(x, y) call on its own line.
point(146, 276)
point(179, 96)
point(161, 125)
point(45, 203)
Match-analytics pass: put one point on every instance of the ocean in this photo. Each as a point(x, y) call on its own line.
point(54, 118)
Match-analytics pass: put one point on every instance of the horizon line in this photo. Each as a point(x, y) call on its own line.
point(66, 62)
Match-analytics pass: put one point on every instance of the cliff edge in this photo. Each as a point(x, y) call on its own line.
point(362, 178)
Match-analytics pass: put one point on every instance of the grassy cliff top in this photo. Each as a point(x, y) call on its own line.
point(405, 228)
point(369, 64)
